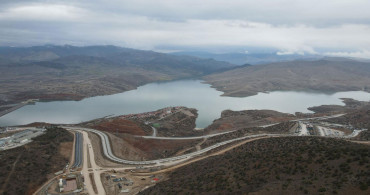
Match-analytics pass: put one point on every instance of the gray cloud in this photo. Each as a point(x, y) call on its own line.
point(290, 26)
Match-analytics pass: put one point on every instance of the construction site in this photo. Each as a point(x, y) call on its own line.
point(99, 167)
point(22, 137)
point(115, 162)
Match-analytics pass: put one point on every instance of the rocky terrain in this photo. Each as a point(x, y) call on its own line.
point(291, 165)
point(329, 74)
point(350, 105)
point(181, 123)
point(231, 120)
point(24, 169)
point(169, 122)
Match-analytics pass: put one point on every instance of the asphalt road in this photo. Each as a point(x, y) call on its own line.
point(78, 150)
point(107, 150)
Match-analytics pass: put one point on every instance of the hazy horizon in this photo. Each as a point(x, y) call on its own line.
point(332, 28)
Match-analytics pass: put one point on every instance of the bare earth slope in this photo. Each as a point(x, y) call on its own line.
point(326, 74)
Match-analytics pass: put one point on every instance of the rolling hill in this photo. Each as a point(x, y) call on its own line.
point(328, 74)
point(249, 58)
point(69, 72)
point(285, 165)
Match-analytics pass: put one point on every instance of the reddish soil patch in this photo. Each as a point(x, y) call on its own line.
point(225, 126)
point(119, 125)
point(136, 148)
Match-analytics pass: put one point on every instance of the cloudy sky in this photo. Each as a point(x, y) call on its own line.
point(331, 27)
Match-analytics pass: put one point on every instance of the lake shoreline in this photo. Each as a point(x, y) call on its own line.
point(189, 93)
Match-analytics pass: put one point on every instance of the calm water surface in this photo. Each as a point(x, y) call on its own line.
point(189, 93)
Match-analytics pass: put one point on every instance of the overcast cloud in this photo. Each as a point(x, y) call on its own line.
point(330, 27)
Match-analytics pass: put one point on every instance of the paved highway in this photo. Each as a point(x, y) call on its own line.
point(107, 150)
point(78, 150)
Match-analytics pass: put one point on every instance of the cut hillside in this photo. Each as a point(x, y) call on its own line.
point(330, 75)
point(287, 165)
point(119, 125)
point(137, 148)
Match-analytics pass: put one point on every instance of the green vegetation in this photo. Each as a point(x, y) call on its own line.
point(24, 169)
point(286, 165)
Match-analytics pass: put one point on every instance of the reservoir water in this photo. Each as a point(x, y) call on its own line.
point(189, 93)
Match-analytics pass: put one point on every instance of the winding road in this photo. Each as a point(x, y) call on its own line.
point(107, 150)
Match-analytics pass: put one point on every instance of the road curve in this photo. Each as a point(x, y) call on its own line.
point(154, 136)
point(107, 150)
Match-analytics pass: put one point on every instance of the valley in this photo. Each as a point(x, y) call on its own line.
point(151, 138)
point(187, 97)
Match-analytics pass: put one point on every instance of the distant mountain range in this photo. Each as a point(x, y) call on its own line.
point(327, 74)
point(72, 73)
point(69, 72)
point(249, 58)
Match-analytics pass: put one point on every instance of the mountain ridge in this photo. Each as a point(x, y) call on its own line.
point(321, 75)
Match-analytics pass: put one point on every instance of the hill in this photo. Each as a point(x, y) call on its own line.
point(24, 169)
point(248, 58)
point(68, 72)
point(289, 165)
point(323, 75)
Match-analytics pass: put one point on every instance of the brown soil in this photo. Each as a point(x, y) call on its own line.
point(136, 148)
point(65, 149)
point(119, 125)
point(232, 120)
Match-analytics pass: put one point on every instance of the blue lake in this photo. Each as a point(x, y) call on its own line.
point(189, 93)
